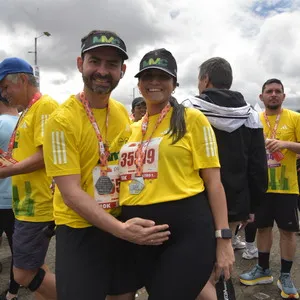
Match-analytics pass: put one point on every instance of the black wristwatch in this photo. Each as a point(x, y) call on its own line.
point(223, 234)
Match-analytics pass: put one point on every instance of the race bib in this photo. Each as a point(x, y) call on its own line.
point(150, 163)
point(110, 200)
point(272, 162)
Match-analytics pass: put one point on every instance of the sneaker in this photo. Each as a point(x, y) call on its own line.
point(237, 243)
point(3, 296)
point(256, 276)
point(285, 284)
point(250, 253)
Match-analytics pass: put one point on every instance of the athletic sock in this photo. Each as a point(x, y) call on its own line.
point(263, 260)
point(286, 266)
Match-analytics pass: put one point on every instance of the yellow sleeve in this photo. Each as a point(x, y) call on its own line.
point(203, 143)
point(297, 127)
point(45, 109)
point(61, 153)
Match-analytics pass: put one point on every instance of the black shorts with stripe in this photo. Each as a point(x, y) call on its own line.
point(281, 208)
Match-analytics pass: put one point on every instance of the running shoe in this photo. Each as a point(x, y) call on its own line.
point(237, 244)
point(256, 276)
point(3, 296)
point(285, 284)
point(250, 253)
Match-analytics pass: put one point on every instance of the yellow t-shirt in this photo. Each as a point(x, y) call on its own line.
point(283, 174)
point(71, 147)
point(171, 172)
point(32, 196)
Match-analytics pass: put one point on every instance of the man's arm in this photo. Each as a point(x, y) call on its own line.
point(136, 230)
point(30, 164)
point(276, 145)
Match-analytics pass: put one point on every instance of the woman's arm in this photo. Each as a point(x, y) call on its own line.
point(217, 202)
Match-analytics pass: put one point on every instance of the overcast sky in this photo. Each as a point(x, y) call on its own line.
point(260, 39)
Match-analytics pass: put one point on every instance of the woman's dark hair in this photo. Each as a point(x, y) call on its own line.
point(177, 124)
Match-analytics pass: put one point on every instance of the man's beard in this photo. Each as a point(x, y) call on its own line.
point(98, 89)
point(274, 107)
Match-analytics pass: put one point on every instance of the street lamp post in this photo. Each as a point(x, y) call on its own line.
point(36, 68)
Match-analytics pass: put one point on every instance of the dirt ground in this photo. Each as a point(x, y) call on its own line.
point(259, 292)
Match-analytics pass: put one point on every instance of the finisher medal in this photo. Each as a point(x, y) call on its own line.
point(104, 185)
point(137, 185)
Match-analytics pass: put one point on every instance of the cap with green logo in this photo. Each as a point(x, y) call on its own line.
point(100, 38)
point(160, 59)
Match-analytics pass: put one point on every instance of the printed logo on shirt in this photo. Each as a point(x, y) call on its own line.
point(284, 127)
point(210, 142)
point(44, 118)
point(59, 151)
point(23, 125)
point(165, 132)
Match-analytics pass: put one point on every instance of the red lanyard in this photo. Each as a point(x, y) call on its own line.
point(103, 148)
point(274, 129)
point(35, 98)
point(141, 149)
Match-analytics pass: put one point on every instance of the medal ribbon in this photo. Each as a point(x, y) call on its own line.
point(103, 149)
point(274, 129)
point(11, 143)
point(141, 149)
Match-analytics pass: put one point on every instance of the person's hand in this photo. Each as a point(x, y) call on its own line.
point(52, 187)
point(144, 232)
point(225, 258)
point(274, 145)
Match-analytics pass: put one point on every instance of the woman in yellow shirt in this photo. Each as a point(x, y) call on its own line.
point(159, 169)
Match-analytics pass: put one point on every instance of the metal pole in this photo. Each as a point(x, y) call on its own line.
point(35, 51)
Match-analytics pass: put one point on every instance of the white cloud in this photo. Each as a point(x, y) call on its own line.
point(257, 46)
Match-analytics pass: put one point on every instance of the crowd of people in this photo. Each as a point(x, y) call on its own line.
point(150, 201)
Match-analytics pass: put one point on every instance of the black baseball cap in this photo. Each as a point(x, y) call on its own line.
point(103, 38)
point(137, 101)
point(160, 59)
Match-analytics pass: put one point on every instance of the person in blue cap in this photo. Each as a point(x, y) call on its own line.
point(31, 193)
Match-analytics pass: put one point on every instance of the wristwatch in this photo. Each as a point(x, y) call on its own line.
point(223, 234)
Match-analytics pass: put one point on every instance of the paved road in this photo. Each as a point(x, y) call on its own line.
point(243, 293)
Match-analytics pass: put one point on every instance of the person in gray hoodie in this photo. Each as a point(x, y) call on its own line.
point(240, 139)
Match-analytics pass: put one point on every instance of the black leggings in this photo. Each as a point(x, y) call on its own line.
point(180, 267)
point(7, 221)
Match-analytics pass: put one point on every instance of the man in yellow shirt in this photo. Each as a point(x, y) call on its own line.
point(82, 143)
point(32, 196)
point(282, 134)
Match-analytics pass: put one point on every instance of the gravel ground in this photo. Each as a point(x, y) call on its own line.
point(243, 293)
